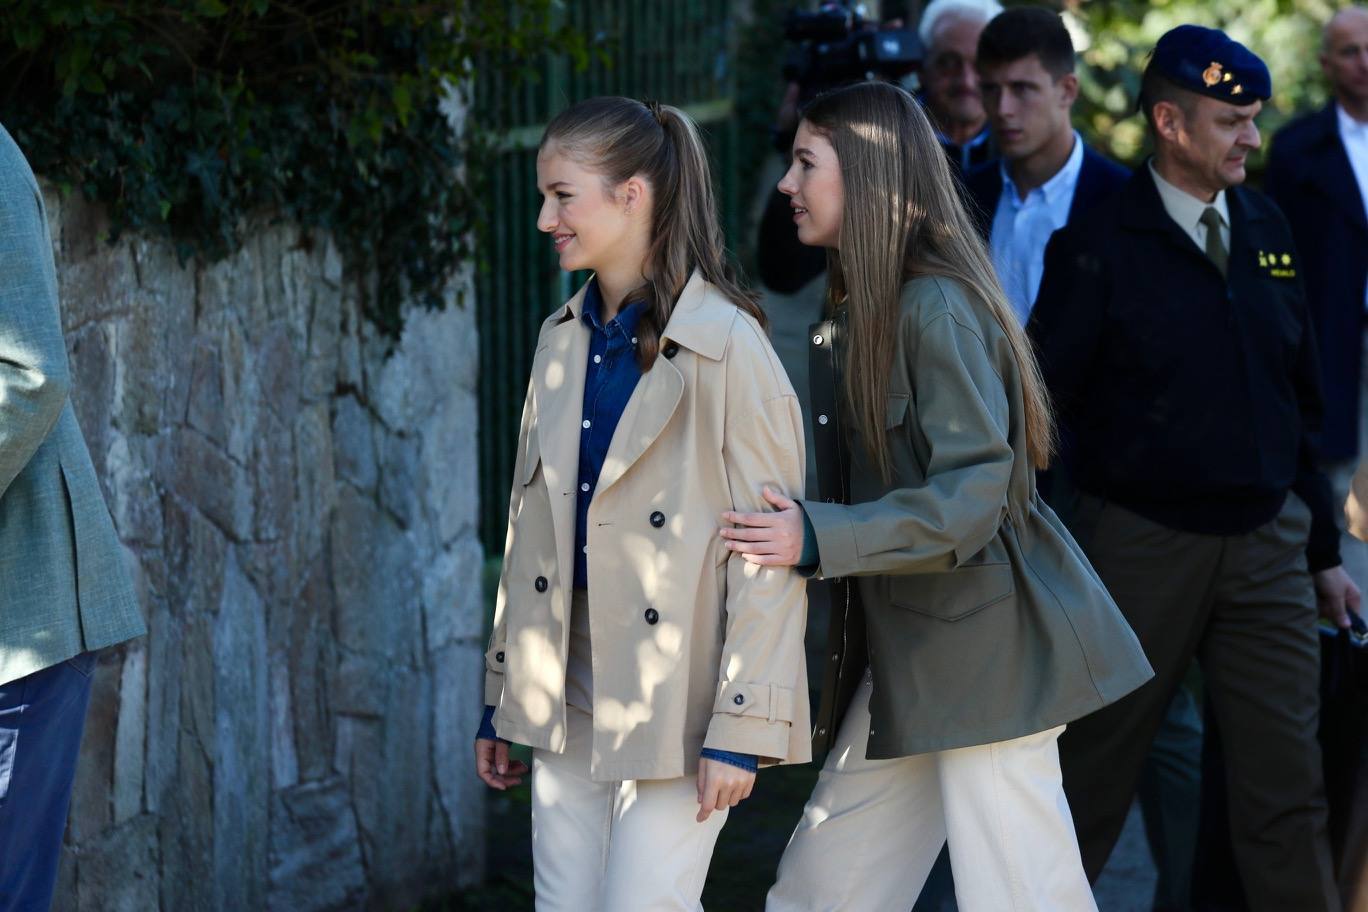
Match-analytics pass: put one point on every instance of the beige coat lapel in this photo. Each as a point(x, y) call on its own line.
point(558, 381)
point(651, 407)
point(700, 322)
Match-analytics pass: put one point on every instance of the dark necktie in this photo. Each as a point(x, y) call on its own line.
point(1215, 249)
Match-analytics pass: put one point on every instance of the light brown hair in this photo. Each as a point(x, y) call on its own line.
point(621, 138)
point(903, 217)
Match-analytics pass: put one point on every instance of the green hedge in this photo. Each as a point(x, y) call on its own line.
point(184, 118)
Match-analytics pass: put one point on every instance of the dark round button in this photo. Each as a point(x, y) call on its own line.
point(652, 615)
point(657, 519)
point(670, 350)
point(738, 699)
point(498, 656)
point(540, 584)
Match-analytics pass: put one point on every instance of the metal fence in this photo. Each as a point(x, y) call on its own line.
point(674, 52)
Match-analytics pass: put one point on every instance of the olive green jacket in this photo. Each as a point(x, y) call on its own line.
point(985, 621)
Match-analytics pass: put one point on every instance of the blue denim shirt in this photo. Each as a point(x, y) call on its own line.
point(610, 378)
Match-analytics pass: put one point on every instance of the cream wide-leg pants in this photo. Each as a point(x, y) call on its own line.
point(628, 846)
point(872, 828)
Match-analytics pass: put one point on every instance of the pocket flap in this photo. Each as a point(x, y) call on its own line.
point(896, 412)
point(957, 593)
point(771, 701)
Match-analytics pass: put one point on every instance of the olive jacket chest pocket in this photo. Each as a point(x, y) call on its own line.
point(985, 579)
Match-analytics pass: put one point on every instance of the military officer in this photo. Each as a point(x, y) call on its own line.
point(1174, 337)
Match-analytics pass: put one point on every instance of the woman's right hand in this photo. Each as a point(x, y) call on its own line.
point(493, 766)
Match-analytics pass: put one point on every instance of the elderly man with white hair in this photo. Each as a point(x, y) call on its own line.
point(949, 30)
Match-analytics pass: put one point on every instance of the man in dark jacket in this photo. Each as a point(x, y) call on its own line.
point(949, 30)
point(1046, 174)
point(1174, 337)
point(1318, 175)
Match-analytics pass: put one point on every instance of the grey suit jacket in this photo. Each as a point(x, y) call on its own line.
point(64, 585)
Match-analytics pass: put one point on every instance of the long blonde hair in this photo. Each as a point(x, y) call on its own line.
point(903, 217)
point(622, 138)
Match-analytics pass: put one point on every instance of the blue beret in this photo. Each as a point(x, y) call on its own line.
point(1209, 62)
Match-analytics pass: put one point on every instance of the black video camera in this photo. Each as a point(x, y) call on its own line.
point(837, 44)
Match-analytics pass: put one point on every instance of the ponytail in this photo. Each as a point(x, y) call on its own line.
point(621, 138)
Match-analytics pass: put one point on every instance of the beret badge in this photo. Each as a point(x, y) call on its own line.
point(1207, 61)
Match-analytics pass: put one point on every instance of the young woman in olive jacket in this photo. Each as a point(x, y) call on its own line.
point(987, 628)
point(650, 669)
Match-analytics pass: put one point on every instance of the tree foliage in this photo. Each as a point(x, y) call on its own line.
point(183, 117)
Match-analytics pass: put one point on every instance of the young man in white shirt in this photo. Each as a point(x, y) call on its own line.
point(1046, 174)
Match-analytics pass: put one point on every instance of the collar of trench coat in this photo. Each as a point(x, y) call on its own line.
point(701, 322)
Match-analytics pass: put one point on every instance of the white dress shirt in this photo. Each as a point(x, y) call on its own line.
point(1354, 135)
point(1022, 227)
point(1186, 210)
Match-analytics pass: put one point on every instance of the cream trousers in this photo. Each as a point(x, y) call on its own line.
point(872, 828)
point(630, 846)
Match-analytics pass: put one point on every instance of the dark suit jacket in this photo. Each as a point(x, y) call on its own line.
point(1310, 178)
point(1194, 399)
point(1098, 178)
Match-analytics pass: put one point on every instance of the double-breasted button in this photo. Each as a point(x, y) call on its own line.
point(540, 584)
point(498, 656)
point(670, 350)
point(657, 519)
point(652, 615)
point(738, 699)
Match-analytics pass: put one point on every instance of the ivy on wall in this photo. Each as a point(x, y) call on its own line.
point(183, 117)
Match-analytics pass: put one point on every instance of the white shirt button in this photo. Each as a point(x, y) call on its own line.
point(585, 549)
point(584, 486)
point(598, 359)
point(821, 419)
point(634, 340)
point(585, 424)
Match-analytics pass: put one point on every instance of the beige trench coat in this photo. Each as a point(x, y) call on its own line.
point(692, 646)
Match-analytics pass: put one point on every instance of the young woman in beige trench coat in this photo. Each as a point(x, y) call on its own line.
point(649, 668)
point(987, 628)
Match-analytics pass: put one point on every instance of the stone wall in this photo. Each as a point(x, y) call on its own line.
point(300, 508)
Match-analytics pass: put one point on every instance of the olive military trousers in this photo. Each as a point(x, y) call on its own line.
point(1244, 606)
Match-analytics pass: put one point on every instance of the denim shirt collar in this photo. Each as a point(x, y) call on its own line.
point(623, 325)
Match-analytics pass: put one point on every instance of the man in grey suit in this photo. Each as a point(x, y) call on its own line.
point(64, 589)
